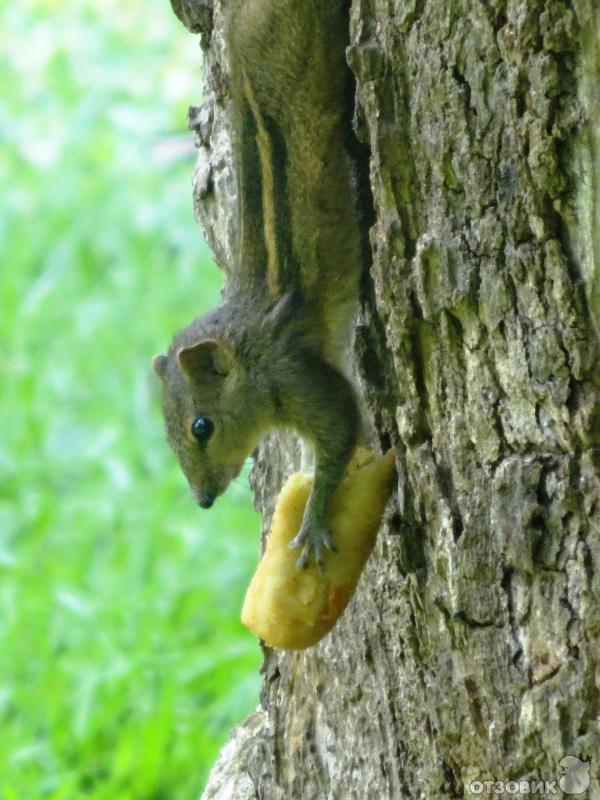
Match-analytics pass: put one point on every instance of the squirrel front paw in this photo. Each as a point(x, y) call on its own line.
point(315, 538)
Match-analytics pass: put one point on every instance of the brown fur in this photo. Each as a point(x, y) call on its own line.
point(269, 355)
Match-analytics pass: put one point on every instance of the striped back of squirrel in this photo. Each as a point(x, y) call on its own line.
point(292, 91)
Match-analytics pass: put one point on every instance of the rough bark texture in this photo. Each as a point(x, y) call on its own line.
point(471, 649)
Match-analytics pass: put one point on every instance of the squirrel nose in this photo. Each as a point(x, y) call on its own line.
point(205, 499)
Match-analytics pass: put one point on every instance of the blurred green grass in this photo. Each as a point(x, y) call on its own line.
point(122, 660)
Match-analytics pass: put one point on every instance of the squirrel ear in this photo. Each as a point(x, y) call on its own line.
point(206, 356)
point(160, 365)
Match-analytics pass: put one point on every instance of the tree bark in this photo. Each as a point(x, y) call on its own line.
point(471, 650)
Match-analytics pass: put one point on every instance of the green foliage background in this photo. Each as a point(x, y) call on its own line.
point(122, 661)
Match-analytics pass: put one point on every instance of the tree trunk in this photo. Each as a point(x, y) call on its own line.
point(470, 652)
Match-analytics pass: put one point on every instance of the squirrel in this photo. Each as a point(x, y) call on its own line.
point(270, 354)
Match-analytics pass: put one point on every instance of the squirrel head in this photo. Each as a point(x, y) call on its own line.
point(208, 414)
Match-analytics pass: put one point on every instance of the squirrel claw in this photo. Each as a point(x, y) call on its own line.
point(302, 561)
point(315, 540)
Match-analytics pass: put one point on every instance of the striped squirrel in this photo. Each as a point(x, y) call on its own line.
point(270, 354)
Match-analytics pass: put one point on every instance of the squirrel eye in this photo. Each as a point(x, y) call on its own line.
point(202, 428)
